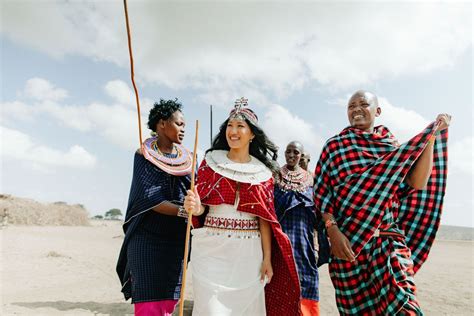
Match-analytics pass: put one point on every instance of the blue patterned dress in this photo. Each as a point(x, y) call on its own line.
point(151, 258)
point(294, 207)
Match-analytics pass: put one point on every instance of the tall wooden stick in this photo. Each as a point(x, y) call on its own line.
point(188, 228)
point(132, 74)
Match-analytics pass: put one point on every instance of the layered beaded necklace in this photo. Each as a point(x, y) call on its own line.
point(178, 164)
point(294, 180)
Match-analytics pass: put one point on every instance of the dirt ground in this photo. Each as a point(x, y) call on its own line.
point(59, 270)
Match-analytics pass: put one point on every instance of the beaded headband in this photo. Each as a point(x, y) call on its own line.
point(241, 111)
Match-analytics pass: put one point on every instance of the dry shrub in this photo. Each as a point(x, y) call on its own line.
point(20, 211)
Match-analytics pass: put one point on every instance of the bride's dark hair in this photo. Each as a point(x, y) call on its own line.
point(261, 146)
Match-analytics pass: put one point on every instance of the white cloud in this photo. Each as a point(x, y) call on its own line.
point(70, 116)
point(224, 97)
point(461, 155)
point(42, 90)
point(123, 95)
point(20, 146)
point(16, 110)
point(403, 123)
point(120, 92)
point(117, 122)
point(283, 127)
point(267, 47)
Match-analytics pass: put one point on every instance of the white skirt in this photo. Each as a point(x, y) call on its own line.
point(226, 270)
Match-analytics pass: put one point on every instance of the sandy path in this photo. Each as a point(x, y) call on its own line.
point(71, 270)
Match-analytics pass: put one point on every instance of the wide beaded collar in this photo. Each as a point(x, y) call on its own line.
point(252, 172)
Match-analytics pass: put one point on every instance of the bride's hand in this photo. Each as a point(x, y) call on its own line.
point(266, 271)
point(192, 202)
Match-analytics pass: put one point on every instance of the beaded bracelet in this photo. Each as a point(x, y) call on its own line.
point(329, 223)
point(182, 212)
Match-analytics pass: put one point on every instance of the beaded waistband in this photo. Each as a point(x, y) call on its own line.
point(233, 233)
point(231, 223)
point(385, 233)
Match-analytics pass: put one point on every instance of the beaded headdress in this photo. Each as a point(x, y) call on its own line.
point(242, 111)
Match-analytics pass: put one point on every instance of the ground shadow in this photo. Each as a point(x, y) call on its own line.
point(115, 309)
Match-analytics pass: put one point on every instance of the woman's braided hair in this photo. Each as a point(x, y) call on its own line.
point(162, 111)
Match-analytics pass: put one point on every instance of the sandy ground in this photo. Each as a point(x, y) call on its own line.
point(71, 271)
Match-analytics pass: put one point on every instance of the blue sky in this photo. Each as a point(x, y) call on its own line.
point(68, 122)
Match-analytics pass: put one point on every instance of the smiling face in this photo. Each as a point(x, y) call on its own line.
point(362, 110)
point(238, 134)
point(293, 153)
point(172, 128)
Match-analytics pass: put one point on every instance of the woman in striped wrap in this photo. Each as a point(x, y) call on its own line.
point(294, 207)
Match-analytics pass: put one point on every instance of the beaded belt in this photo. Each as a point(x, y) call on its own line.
point(384, 233)
point(231, 223)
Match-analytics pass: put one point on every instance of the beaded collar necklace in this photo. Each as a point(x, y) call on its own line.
point(297, 180)
point(178, 164)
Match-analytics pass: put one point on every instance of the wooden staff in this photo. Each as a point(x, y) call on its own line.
point(132, 74)
point(137, 99)
point(188, 228)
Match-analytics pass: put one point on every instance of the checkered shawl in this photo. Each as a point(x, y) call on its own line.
point(359, 175)
point(150, 187)
point(282, 295)
point(359, 179)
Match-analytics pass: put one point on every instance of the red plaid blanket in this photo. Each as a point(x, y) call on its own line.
point(360, 174)
point(360, 179)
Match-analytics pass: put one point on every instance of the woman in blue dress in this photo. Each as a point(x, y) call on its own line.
point(295, 210)
point(151, 258)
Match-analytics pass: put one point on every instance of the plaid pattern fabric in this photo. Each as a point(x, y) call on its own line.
point(282, 295)
point(380, 282)
point(420, 210)
point(359, 179)
point(151, 257)
point(295, 211)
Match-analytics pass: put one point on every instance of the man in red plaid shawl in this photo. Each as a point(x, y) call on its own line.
point(381, 203)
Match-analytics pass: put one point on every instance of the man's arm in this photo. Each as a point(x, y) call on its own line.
point(420, 172)
point(323, 196)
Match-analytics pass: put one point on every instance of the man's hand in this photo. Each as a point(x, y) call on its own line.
point(340, 245)
point(444, 120)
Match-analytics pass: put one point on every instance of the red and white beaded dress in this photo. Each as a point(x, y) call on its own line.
point(226, 254)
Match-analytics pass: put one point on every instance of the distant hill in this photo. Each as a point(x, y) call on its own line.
point(447, 232)
point(21, 211)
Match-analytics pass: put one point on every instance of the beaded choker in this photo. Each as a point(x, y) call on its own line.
point(178, 164)
point(298, 180)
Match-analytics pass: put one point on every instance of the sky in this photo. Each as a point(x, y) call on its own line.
point(68, 123)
